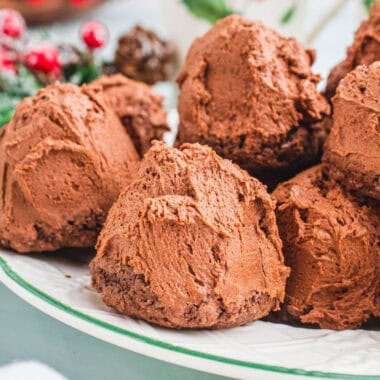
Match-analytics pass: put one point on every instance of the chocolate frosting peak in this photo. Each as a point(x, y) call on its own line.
point(249, 93)
point(332, 245)
point(192, 243)
point(352, 151)
point(64, 158)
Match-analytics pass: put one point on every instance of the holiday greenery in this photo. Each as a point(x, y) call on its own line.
point(213, 10)
point(24, 68)
point(209, 10)
point(368, 3)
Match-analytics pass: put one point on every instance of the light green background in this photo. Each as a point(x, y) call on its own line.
point(28, 334)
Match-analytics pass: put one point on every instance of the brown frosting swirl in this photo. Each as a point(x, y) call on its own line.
point(332, 245)
point(139, 109)
point(352, 150)
point(249, 93)
point(64, 158)
point(192, 243)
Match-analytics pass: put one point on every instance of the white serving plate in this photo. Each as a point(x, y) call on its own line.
point(60, 286)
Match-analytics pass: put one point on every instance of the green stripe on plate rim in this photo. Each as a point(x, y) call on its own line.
point(157, 343)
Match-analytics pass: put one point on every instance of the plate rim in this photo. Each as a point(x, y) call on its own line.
point(156, 343)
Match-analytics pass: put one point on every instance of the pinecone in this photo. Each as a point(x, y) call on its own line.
point(143, 56)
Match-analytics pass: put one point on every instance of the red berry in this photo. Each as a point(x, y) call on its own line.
point(94, 34)
point(78, 3)
point(12, 23)
point(44, 59)
point(6, 62)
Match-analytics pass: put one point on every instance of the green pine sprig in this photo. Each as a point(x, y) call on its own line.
point(289, 14)
point(79, 74)
point(14, 88)
point(209, 10)
point(368, 3)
